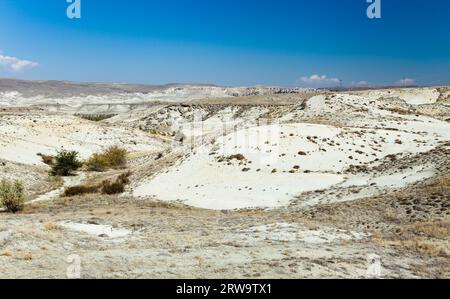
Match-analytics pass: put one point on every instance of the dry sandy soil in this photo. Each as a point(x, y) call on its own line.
point(230, 183)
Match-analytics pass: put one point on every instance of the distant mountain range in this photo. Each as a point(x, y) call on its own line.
point(63, 89)
point(20, 92)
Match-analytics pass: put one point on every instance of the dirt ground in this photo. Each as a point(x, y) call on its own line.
point(173, 241)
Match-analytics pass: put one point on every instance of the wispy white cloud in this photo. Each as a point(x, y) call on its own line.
point(318, 80)
point(14, 64)
point(360, 83)
point(406, 81)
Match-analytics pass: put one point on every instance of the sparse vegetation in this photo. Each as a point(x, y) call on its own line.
point(444, 182)
point(106, 187)
point(50, 226)
point(162, 133)
point(423, 246)
point(112, 157)
point(80, 190)
point(153, 131)
point(28, 257)
point(55, 181)
point(110, 188)
point(47, 159)
point(96, 117)
point(239, 157)
point(250, 192)
point(6, 254)
point(124, 178)
point(437, 229)
point(12, 195)
point(97, 162)
point(118, 186)
point(66, 162)
point(401, 110)
point(116, 156)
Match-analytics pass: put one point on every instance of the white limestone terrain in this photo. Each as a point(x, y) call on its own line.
point(261, 182)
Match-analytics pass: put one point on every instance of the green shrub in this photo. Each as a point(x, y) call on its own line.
point(80, 190)
point(65, 163)
point(12, 195)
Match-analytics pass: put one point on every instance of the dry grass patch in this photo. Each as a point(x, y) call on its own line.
point(422, 246)
point(117, 186)
point(47, 159)
point(106, 187)
point(433, 238)
point(28, 257)
point(427, 247)
point(6, 253)
point(444, 182)
point(80, 190)
point(439, 230)
point(111, 188)
point(426, 238)
point(50, 226)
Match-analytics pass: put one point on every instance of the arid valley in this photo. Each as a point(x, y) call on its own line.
point(219, 182)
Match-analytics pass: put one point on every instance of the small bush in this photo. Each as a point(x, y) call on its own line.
point(116, 156)
point(112, 157)
point(97, 162)
point(112, 187)
point(65, 163)
point(80, 190)
point(12, 195)
point(118, 186)
point(124, 178)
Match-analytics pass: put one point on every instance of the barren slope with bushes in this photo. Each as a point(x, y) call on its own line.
point(223, 182)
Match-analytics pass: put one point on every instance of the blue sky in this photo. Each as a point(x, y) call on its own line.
point(227, 42)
